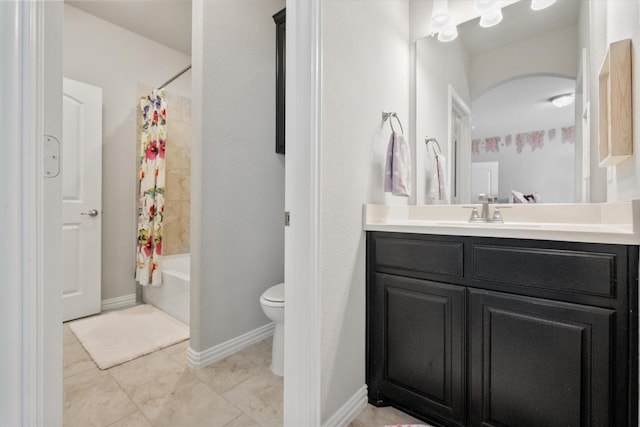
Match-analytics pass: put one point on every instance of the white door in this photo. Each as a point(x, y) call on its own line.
point(81, 199)
point(484, 179)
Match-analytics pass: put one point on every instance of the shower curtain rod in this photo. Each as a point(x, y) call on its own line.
point(174, 77)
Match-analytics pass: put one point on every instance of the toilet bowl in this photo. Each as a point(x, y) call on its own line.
point(272, 302)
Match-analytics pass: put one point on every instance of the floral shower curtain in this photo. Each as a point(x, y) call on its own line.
point(152, 188)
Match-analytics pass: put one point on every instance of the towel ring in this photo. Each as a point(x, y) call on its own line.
point(428, 140)
point(388, 116)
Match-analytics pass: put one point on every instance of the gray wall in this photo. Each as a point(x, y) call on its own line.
point(104, 55)
point(237, 233)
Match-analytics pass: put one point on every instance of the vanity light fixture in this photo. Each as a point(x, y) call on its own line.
point(440, 14)
point(541, 4)
point(448, 34)
point(491, 18)
point(563, 100)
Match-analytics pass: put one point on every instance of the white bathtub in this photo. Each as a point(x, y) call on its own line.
point(172, 296)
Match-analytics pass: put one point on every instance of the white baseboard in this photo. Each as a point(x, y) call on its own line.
point(200, 359)
point(350, 410)
point(118, 303)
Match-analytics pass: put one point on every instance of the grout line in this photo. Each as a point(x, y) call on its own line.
point(261, 371)
point(138, 358)
point(257, 421)
point(235, 419)
point(126, 416)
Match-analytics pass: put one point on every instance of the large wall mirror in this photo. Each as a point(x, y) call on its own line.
point(508, 106)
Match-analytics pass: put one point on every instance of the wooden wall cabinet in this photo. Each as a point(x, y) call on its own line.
point(484, 332)
point(615, 103)
point(280, 19)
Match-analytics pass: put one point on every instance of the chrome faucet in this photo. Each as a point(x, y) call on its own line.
point(485, 215)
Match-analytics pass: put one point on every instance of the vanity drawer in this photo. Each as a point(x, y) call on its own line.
point(427, 256)
point(577, 271)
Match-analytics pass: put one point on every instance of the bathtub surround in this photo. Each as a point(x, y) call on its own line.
point(94, 52)
point(153, 141)
point(177, 197)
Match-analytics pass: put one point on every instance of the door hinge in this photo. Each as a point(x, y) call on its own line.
point(51, 161)
point(287, 218)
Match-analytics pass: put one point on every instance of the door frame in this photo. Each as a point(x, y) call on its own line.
point(302, 394)
point(30, 302)
point(31, 385)
point(459, 160)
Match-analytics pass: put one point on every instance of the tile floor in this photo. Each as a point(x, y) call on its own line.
point(161, 390)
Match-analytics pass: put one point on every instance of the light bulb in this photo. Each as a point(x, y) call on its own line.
point(448, 34)
point(440, 14)
point(490, 19)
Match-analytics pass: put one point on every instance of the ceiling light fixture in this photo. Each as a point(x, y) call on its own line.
point(491, 18)
point(440, 14)
point(541, 4)
point(448, 34)
point(563, 100)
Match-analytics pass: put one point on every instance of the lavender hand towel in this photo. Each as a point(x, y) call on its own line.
point(438, 187)
point(397, 179)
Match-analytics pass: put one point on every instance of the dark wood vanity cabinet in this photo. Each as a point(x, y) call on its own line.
point(536, 362)
point(421, 348)
point(467, 331)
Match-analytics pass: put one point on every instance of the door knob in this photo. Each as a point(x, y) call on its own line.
point(92, 212)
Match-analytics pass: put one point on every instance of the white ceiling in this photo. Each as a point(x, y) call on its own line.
point(519, 23)
point(165, 21)
point(522, 105)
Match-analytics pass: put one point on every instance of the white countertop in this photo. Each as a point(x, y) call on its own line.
point(617, 223)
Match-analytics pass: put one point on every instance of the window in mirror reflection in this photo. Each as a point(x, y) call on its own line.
point(523, 141)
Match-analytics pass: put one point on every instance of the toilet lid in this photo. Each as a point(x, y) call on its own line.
point(274, 293)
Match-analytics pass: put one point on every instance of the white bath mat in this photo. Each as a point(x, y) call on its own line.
point(119, 336)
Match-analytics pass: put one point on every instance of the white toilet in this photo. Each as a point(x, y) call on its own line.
point(272, 301)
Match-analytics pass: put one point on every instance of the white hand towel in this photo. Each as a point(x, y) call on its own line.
point(438, 187)
point(398, 167)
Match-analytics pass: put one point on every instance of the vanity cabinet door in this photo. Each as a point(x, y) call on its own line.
point(416, 347)
point(536, 362)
